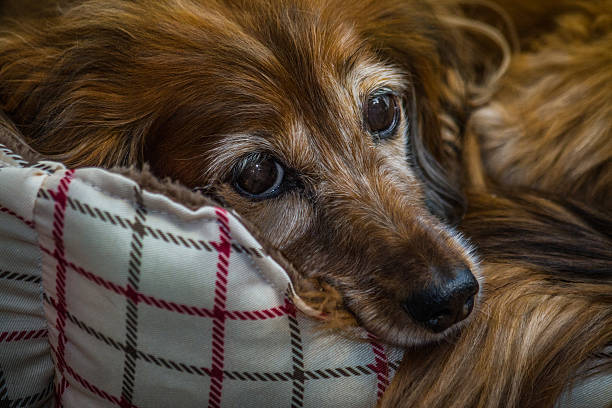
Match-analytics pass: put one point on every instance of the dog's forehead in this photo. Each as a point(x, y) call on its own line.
point(302, 53)
point(307, 73)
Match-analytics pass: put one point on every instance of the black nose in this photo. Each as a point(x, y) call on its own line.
point(440, 306)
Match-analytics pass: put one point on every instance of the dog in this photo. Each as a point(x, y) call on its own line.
point(284, 111)
point(360, 141)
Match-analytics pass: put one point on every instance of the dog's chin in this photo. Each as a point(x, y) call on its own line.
point(399, 329)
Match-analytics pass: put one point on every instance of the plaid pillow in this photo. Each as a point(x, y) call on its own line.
point(151, 304)
point(114, 295)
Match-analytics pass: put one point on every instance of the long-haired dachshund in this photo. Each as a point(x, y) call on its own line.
point(360, 139)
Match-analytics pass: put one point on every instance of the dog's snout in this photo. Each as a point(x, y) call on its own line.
point(446, 303)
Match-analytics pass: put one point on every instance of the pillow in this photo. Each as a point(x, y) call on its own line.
point(124, 291)
point(117, 290)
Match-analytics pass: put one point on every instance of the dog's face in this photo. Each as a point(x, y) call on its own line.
point(306, 118)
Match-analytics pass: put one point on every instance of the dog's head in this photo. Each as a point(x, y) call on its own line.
point(318, 121)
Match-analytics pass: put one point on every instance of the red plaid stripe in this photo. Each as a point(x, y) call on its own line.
point(6, 337)
point(60, 387)
point(380, 366)
point(59, 197)
point(261, 314)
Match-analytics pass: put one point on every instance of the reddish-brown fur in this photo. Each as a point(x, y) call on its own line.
point(548, 124)
point(191, 86)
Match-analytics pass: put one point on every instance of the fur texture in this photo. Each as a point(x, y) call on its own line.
point(548, 126)
point(495, 98)
point(545, 129)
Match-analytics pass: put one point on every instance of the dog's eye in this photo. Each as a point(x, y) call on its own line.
point(382, 114)
point(259, 177)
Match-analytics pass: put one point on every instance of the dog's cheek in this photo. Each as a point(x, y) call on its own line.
point(398, 168)
point(281, 221)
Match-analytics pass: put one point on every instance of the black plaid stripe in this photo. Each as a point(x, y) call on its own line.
point(23, 402)
point(3, 390)
point(155, 233)
point(17, 158)
point(45, 167)
point(298, 377)
point(87, 329)
point(24, 277)
point(33, 399)
point(131, 319)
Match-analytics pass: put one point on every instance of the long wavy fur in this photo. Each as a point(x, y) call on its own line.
point(513, 148)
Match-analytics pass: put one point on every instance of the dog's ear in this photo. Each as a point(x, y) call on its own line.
point(60, 84)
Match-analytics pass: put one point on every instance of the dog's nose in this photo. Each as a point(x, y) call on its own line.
point(440, 306)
